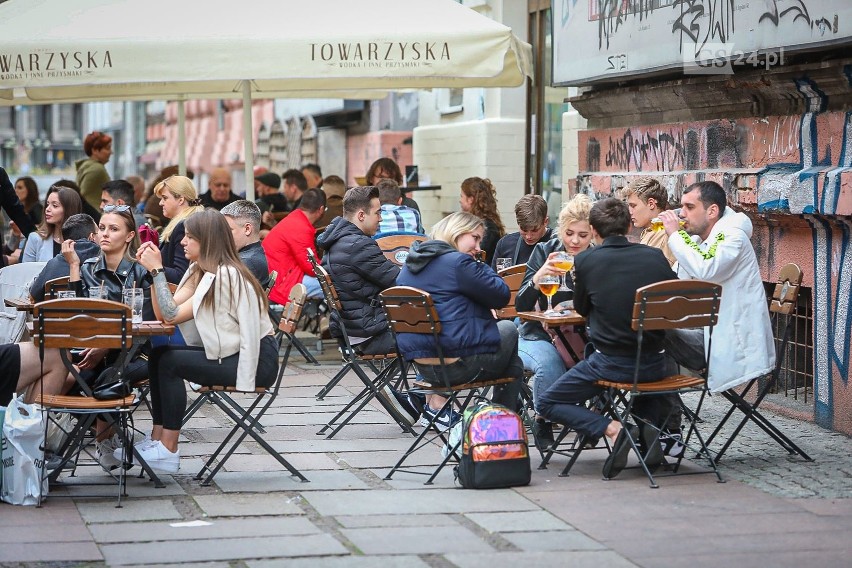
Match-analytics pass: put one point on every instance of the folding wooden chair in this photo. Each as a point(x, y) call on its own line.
point(247, 420)
point(410, 310)
point(671, 304)
point(51, 287)
point(395, 247)
point(289, 324)
point(783, 305)
point(354, 362)
point(513, 277)
point(79, 322)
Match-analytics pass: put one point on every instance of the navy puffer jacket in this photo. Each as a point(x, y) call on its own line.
point(464, 292)
point(359, 271)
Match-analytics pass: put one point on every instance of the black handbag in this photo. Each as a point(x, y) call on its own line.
point(108, 387)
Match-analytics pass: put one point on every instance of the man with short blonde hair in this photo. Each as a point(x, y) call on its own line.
point(646, 197)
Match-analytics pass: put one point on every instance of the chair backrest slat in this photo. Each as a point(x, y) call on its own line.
point(293, 309)
point(786, 293)
point(676, 304)
point(410, 310)
point(82, 322)
point(395, 247)
point(513, 276)
point(51, 287)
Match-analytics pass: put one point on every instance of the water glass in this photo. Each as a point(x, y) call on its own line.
point(133, 297)
point(62, 294)
point(98, 292)
point(502, 263)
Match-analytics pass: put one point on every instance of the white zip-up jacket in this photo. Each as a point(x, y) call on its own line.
point(743, 346)
point(234, 324)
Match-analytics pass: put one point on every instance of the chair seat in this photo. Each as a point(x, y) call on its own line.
point(466, 386)
point(672, 383)
point(82, 402)
point(377, 357)
point(220, 388)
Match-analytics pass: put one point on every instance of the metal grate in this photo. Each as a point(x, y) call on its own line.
point(796, 375)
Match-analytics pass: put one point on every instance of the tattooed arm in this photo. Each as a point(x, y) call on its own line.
point(170, 308)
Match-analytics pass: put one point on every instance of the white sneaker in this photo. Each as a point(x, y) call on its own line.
point(106, 451)
point(160, 458)
point(144, 442)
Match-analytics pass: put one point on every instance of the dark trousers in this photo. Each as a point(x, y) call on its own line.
point(505, 362)
point(169, 366)
point(564, 402)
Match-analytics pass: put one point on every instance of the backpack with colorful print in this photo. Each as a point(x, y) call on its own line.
point(495, 451)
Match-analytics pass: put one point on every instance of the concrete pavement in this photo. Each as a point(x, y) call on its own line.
point(774, 510)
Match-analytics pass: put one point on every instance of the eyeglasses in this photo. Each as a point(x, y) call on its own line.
point(116, 208)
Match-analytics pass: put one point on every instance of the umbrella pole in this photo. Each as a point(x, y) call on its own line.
point(181, 138)
point(248, 147)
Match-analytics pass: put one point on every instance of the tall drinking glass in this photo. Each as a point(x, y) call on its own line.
point(548, 284)
point(133, 297)
point(564, 261)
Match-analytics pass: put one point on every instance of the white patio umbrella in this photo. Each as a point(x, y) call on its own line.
point(94, 50)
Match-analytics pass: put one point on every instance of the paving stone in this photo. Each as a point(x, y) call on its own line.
point(576, 559)
point(177, 552)
point(436, 501)
point(248, 504)
point(245, 527)
point(136, 488)
point(186, 565)
point(53, 512)
point(337, 446)
point(776, 559)
point(26, 534)
point(552, 540)
point(263, 481)
point(49, 552)
point(131, 510)
point(401, 520)
point(412, 540)
point(265, 462)
point(344, 562)
point(518, 522)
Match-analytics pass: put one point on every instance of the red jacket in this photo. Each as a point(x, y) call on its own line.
point(286, 248)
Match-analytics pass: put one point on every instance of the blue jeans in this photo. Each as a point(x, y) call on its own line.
point(542, 359)
point(313, 286)
point(564, 401)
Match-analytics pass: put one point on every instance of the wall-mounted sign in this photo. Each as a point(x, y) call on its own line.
point(607, 40)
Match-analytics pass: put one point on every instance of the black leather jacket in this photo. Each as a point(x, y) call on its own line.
point(528, 296)
point(129, 274)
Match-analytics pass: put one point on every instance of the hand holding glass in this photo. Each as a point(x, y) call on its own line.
point(564, 261)
point(548, 285)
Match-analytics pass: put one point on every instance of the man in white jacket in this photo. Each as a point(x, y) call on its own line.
point(715, 245)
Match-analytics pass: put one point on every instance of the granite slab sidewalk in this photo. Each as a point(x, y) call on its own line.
point(773, 510)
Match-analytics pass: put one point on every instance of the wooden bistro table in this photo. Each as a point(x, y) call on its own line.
point(555, 323)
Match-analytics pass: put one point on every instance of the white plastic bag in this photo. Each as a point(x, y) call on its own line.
point(23, 454)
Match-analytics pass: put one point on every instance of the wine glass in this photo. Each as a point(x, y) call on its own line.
point(564, 261)
point(548, 285)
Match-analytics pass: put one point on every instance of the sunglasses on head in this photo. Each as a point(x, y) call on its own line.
point(116, 208)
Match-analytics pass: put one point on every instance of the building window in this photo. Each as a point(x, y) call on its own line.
point(545, 106)
point(450, 101)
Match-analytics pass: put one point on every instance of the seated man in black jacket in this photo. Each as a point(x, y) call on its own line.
point(359, 271)
point(606, 278)
point(81, 229)
point(243, 217)
point(531, 215)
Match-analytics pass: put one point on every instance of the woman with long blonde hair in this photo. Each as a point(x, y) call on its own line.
point(179, 200)
point(222, 313)
point(538, 353)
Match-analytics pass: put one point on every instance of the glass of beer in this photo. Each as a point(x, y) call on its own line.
point(657, 224)
point(564, 261)
point(548, 284)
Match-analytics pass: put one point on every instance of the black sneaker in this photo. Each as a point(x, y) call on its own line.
point(672, 444)
point(543, 434)
point(399, 401)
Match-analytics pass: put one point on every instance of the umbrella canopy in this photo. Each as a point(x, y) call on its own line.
point(86, 50)
point(89, 50)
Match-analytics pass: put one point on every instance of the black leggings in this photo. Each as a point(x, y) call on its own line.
point(170, 365)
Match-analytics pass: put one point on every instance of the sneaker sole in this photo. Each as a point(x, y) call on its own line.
point(394, 403)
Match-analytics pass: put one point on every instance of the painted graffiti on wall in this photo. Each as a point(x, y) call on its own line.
point(634, 37)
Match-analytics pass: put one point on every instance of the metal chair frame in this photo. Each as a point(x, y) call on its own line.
point(782, 305)
point(352, 361)
point(411, 310)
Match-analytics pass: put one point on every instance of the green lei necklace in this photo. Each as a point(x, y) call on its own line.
point(711, 252)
